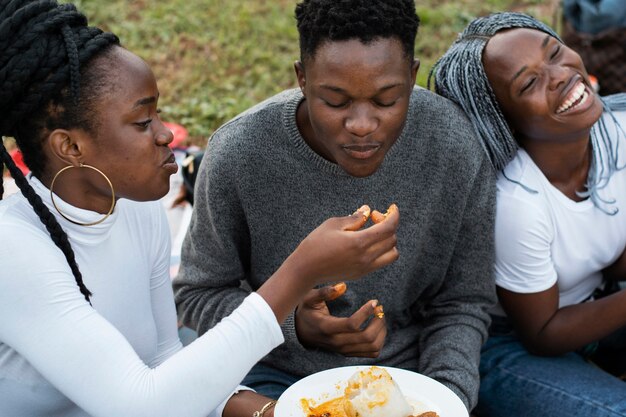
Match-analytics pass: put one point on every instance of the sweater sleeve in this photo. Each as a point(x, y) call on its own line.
point(457, 317)
point(216, 248)
point(47, 321)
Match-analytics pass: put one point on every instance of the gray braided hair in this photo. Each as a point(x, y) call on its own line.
point(459, 75)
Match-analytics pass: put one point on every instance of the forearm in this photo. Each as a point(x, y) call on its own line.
point(575, 326)
point(201, 308)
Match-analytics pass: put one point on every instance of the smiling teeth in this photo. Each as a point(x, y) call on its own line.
point(578, 92)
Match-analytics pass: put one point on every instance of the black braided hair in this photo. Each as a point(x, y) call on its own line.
point(320, 21)
point(49, 78)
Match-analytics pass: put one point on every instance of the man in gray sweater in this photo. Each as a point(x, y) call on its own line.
point(356, 132)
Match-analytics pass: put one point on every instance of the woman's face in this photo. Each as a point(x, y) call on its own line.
point(541, 85)
point(130, 146)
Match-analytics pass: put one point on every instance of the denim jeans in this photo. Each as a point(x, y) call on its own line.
point(268, 381)
point(515, 383)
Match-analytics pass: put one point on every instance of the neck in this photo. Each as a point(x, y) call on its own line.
point(75, 187)
point(565, 164)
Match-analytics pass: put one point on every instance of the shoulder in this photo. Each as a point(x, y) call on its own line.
point(24, 236)
point(17, 214)
point(443, 132)
point(255, 122)
point(521, 207)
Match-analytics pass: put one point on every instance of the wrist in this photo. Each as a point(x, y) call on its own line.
point(266, 411)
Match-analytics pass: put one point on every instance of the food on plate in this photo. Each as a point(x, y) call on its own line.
point(371, 392)
point(378, 217)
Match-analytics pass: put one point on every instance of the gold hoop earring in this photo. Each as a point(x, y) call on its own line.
point(67, 217)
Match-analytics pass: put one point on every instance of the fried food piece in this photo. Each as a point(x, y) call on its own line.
point(427, 414)
point(380, 313)
point(332, 408)
point(378, 217)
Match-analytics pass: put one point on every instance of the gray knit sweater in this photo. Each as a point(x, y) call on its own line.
point(261, 190)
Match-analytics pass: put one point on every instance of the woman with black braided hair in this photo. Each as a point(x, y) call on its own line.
point(560, 223)
point(88, 321)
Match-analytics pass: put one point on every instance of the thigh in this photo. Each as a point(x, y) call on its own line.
point(268, 381)
point(517, 384)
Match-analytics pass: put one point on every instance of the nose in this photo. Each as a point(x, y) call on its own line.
point(558, 76)
point(164, 136)
point(361, 121)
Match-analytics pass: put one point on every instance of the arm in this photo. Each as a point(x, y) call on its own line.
point(90, 362)
point(457, 319)
point(528, 291)
point(48, 322)
point(546, 329)
point(161, 294)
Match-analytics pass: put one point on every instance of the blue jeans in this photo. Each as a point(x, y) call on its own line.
point(268, 381)
point(515, 383)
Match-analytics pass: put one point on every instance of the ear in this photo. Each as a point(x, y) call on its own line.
point(66, 145)
point(414, 67)
point(298, 66)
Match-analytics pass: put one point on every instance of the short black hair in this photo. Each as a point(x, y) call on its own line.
point(320, 21)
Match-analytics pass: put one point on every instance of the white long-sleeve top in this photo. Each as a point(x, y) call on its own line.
point(122, 357)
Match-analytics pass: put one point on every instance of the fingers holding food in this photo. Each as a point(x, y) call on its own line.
point(378, 217)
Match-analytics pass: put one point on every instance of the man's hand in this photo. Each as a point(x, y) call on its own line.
point(316, 327)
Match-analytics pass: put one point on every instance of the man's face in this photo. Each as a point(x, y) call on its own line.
point(356, 101)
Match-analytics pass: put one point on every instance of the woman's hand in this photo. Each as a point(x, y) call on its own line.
point(338, 249)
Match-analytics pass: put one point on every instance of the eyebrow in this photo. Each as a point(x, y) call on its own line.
point(544, 43)
point(342, 91)
point(144, 101)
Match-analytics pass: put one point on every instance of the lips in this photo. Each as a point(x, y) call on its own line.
point(170, 163)
point(362, 151)
point(575, 97)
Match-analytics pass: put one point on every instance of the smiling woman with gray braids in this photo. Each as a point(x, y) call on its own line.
point(88, 320)
point(560, 223)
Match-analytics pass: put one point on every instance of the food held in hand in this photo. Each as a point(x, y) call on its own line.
point(378, 217)
point(380, 313)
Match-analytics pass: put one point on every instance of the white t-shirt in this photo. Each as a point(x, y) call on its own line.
point(122, 357)
point(547, 238)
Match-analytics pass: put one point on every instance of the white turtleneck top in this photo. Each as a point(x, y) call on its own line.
point(59, 356)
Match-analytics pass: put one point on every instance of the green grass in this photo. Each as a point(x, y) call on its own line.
point(215, 58)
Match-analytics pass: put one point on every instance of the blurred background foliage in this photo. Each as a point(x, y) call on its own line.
point(215, 58)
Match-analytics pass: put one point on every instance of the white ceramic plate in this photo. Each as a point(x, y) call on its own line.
point(424, 393)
